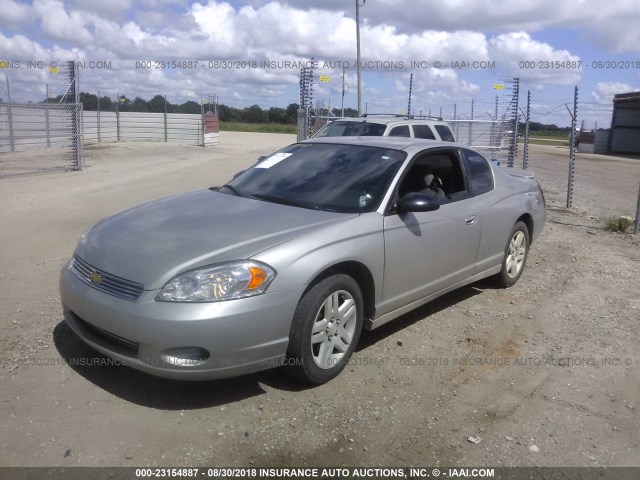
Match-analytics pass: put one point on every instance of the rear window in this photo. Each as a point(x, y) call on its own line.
point(445, 133)
point(423, 131)
point(351, 129)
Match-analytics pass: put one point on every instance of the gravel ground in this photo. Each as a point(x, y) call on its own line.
point(544, 373)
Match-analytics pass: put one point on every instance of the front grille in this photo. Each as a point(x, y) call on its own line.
point(128, 347)
point(110, 284)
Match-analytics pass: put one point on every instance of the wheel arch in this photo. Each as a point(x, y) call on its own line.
point(527, 219)
point(361, 274)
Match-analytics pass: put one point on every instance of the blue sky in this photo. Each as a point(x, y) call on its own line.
point(569, 34)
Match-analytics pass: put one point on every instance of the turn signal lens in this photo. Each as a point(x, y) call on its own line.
point(258, 276)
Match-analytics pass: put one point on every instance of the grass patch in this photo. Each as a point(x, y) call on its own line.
point(619, 224)
point(549, 135)
point(257, 127)
point(555, 143)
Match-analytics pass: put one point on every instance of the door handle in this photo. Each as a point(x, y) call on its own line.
point(471, 220)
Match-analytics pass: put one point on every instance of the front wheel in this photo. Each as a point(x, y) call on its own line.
point(325, 329)
point(515, 255)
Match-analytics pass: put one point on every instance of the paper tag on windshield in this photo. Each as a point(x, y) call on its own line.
point(273, 159)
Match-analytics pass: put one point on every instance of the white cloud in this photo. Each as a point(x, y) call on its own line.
point(604, 91)
point(125, 31)
point(512, 49)
point(14, 12)
point(105, 8)
point(608, 23)
point(59, 24)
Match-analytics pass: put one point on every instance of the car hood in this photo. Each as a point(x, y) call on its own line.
point(153, 242)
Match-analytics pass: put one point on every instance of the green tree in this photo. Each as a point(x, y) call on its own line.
point(89, 101)
point(189, 107)
point(254, 114)
point(277, 115)
point(139, 105)
point(292, 112)
point(228, 114)
point(156, 104)
point(106, 104)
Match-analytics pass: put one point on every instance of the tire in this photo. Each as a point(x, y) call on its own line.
point(323, 336)
point(515, 256)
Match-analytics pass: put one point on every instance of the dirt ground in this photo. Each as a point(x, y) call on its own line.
point(545, 373)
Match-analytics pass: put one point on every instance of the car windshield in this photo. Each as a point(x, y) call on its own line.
point(343, 128)
point(321, 176)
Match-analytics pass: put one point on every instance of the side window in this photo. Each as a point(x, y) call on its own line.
point(437, 174)
point(423, 131)
point(479, 172)
point(445, 133)
point(400, 131)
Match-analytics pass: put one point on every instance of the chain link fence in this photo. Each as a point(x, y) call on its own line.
point(40, 137)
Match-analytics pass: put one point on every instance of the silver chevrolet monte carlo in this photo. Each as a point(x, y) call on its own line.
point(289, 261)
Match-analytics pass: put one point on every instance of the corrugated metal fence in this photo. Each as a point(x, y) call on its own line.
point(140, 126)
point(43, 137)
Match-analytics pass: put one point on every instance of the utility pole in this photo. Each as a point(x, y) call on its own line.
point(358, 55)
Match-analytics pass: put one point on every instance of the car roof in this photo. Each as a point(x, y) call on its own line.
point(397, 143)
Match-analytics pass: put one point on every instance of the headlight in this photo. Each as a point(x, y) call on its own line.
point(225, 281)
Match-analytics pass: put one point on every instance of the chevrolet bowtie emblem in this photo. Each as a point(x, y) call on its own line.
point(95, 278)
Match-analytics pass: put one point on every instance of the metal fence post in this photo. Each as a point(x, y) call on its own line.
point(79, 119)
point(12, 140)
point(572, 149)
point(165, 118)
point(98, 118)
point(455, 117)
point(47, 128)
point(513, 147)
point(525, 155)
point(201, 134)
point(471, 125)
point(118, 118)
point(303, 124)
point(76, 114)
point(410, 91)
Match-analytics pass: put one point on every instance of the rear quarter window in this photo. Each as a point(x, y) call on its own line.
point(445, 133)
point(478, 171)
point(423, 131)
point(400, 131)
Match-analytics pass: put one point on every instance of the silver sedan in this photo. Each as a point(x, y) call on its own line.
point(289, 261)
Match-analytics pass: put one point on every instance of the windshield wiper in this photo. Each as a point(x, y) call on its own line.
point(282, 200)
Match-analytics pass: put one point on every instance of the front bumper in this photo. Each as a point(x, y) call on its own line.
point(241, 336)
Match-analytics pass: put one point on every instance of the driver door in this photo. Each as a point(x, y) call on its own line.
point(426, 252)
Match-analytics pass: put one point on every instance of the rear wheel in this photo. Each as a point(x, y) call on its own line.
point(515, 255)
point(325, 329)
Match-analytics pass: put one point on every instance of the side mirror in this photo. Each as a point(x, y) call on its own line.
point(417, 202)
point(261, 158)
point(237, 174)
